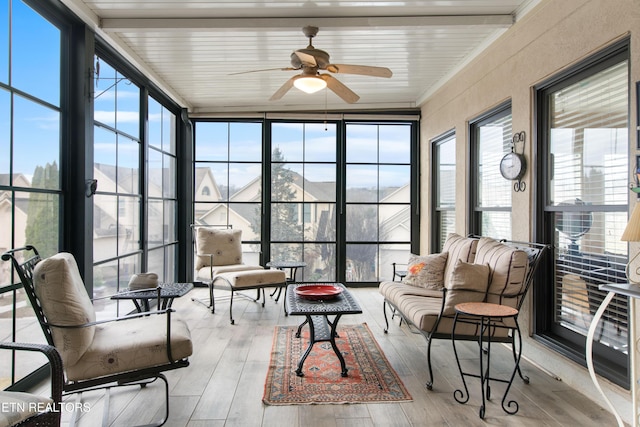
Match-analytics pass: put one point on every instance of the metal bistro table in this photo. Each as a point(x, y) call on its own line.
point(168, 292)
point(317, 316)
point(487, 316)
point(293, 267)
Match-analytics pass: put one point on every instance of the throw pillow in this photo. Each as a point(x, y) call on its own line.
point(426, 271)
point(468, 283)
point(224, 244)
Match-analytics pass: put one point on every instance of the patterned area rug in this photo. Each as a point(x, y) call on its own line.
point(370, 377)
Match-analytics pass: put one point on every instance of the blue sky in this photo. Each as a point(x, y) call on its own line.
point(34, 54)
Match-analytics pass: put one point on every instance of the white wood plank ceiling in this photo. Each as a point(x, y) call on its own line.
point(191, 48)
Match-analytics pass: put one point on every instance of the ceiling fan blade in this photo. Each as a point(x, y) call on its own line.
point(363, 70)
point(265, 69)
point(283, 89)
point(306, 59)
point(340, 89)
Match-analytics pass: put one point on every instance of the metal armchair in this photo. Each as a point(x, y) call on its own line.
point(129, 350)
point(25, 409)
point(219, 251)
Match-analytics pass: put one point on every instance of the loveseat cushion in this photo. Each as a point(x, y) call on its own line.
point(426, 271)
point(65, 302)
point(225, 244)
point(468, 283)
point(508, 270)
point(458, 248)
point(422, 307)
point(395, 291)
point(130, 345)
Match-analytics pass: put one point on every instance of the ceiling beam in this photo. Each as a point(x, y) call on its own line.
point(285, 24)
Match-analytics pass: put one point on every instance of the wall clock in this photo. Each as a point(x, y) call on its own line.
point(513, 166)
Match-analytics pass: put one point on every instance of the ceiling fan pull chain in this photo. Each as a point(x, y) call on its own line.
point(326, 114)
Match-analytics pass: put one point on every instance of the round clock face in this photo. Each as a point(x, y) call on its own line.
point(512, 166)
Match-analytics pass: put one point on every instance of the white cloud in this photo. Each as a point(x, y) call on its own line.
point(123, 116)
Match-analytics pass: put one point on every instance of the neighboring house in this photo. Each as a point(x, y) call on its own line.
point(19, 219)
point(316, 214)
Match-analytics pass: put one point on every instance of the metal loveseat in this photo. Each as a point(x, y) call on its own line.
point(469, 269)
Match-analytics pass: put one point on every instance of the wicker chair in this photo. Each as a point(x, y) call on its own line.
point(130, 350)
point(25, 409)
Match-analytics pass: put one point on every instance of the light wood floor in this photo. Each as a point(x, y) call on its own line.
point(224, 384)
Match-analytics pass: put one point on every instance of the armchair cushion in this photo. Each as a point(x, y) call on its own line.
point(65, 302)
point(468, 283)
point(426, 271)
point(224, 244)
point(130, 345)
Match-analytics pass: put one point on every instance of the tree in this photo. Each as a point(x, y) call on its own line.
point(362, 226)
point(284, 216)
point(42, 229)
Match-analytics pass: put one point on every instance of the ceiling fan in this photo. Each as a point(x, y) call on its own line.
point(311, 61)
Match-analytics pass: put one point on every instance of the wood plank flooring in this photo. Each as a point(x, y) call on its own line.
point(224, 384)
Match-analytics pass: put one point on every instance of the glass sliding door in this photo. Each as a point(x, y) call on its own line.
point(303, 197)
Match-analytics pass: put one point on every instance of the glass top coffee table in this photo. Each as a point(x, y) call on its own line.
point(317, 313)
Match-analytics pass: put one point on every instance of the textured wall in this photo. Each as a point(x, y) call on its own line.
point(553, 36)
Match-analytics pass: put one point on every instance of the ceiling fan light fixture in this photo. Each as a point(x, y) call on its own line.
point(310, 84)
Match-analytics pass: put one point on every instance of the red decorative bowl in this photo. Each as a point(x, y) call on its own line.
point(318, 292)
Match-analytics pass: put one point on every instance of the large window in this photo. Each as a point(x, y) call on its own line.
point(585, 199)
point(378, 199)
point(443, 150)
point(117, 243)
point(339, 194)
point(490, 140)
point(135, 208)
point(46, 159)
point(162, 203)
point(30, 157)
point(228, 180)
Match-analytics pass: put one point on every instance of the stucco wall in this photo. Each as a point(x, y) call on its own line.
point(553, 36)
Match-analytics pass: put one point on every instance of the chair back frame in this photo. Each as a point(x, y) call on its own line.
point(25, 273)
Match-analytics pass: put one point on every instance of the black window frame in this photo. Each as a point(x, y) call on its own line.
point(614, 369)
point(474, 224)
point(436, 210)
